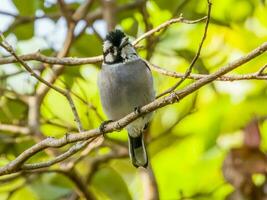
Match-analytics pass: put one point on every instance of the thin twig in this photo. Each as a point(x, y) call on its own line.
point(74, 149)
point(165, 25)
point(80, 61)
point(94, 143)
point(234, 77)
point(81, 12)
point(30, 18)
point(9, 48)
point(157, 37)
point(261, 71)
point(14, 129)
point(109, 15)
point(190, 68)
point(70, 61)
point(52, 60)
point(149, 183)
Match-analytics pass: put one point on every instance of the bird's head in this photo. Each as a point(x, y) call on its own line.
point(117, 48)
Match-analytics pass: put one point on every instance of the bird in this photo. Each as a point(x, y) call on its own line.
point(125, 84)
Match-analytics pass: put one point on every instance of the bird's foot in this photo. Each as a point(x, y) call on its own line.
point(146, 126)
point(67, 137)
point(103, 126)
point(137, 109)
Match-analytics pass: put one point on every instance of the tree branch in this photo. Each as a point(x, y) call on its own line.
point(17, 163)
point(149, 184)
point(108, 7)
point(80, 61)
point(165, 25)
point(257, 75)
point(14, 129)
point(8, 47)
point(190, 68)
point(52, 60)
point(81, 12)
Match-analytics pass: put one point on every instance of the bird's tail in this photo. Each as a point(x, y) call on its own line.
point(137, 151)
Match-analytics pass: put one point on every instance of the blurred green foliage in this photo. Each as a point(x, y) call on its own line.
point(186, 160)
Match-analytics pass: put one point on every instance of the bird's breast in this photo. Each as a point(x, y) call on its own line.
point(124, 87)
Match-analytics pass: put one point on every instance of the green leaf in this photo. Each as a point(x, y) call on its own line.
point(26, 7)
point(12, 110)
point(242, 10)
point(48, 191)
point(22, 31)
point(111, 184)
point(171, 5)
point(26, 193)
point(86, 46)
point(25, 29)
point(130, 26)
point(60, 180)
point(70, 74)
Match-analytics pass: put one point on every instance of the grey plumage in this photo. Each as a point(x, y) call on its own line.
point(123, 87)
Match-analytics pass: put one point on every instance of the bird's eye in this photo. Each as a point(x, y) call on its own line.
point(110, 50)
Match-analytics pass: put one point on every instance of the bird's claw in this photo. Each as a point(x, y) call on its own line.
point(137, 109)
point(103, 126)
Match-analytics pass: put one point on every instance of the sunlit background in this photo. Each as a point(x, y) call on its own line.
point(187, 142)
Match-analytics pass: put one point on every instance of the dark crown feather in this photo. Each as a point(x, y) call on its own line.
point(115, 37)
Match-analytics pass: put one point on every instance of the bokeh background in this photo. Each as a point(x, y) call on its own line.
point(187, 142)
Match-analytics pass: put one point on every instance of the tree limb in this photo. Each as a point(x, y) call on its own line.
point(16, 164)
point(190, 68)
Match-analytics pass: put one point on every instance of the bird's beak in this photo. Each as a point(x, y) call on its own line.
point(124, 42)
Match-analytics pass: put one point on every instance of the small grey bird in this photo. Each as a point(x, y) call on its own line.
point(125, 83)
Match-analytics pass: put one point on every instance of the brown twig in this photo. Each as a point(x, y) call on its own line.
point(74, 149)
point(58, 69)
point(108, 7)
point(90, 105)
point(165, 25)
point(13, 94)
point(255, 76)
point(81, 12)
point(261, 71)
point(190, 68)
point(149, 183)
point(94, 143)
point(80, 184)
point(8, 47)
point(200, 195)
point(156, 38)
point(30, 18)
point(14, 129)
point(6, 76)
point(65, 10)
point(52, 60)
point(98, 13)
point(79, 61)
point(148, 26)
point(97, 161)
